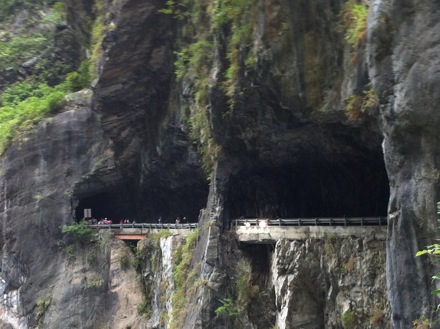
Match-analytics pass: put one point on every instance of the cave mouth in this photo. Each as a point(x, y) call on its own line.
point(313, 189)
point(106, 204)
point(144, 204)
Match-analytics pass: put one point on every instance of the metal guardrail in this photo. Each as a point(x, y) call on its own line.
point(157, 226)
point(345, 221)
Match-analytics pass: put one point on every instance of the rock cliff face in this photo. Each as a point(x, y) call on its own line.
point(267, 118)
point(331, 283)
point(401, 68)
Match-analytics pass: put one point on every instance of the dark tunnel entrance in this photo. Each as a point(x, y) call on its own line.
point(105, 205)
point(145, 205)
point(351, 189)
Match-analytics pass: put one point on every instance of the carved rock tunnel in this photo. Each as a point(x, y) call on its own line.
point(354, 188)
point(146, 204)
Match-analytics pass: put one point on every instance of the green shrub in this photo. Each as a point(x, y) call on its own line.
point(124, 261)
point(142, 308)
point(246, 290)
point(432, 250)
point(240, 16)
point(42, 307)
point(60, 9)
point(24, 106)
point(421, 323)
point(95, 284)
point(354, 22)
point(97, 36)
point(227, 309)
point(8, 7)
point(136, 263)
point(21, 48)
point(184, 279)
point(349, 320)
point(78, 232)
point(18, 92)
point(155, 239)
point(179, 10)
point(357, 105)
point(70, 251)
point(79, 79)
point(91, 257)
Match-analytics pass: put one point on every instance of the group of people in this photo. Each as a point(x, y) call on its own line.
point(105, 221)
point(178, 220)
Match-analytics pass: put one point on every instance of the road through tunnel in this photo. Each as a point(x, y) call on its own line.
point(143, 204)
point(313, 189)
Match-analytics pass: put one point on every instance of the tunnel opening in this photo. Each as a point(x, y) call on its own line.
point(104, 205)
point(115, 203)
point(144, 204)
point(310, 190)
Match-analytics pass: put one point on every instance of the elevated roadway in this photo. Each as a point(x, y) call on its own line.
point(268, 231)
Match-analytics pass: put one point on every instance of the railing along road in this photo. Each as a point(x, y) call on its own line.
point(345, 221)
point(157, 226)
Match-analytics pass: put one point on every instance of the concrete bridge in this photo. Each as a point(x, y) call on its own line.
point(138, 231)
point(266, 231)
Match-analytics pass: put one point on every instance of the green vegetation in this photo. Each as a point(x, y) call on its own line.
point(35, 38)
point(124, 260)
point(78, 232)
point(194, 62)
point(234, 20)
point(91, 257)
point(354, 23)
point(24, 103)
point(246, 293)
point(70, 251)
point(59, 9)
point(349, 320)
point(421, 323)
point(184, 278)
point(357, 105)
point(246, 290)
point(155, 237)
point(178, 10)
point(143, 309)
point(239, 16)
point(42, 307)
point(79, 79)
point(227, 309)
point(154, 244)
point(21, 48)
point(95, 284)
point(9, 7)
point(432, 250)
point(148, 255)
point(97, 36)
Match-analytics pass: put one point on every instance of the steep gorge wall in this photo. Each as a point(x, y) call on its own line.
point(285, 145)
point(403, 44)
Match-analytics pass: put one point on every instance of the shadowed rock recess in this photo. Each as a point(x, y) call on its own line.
point(182, 120)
